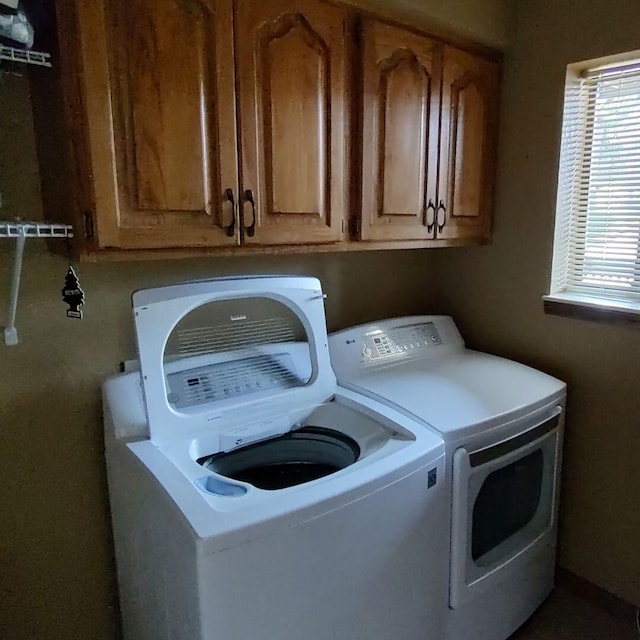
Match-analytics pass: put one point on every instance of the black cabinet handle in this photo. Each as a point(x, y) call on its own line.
point(247, 196)
point(431, 207)
point(442, 208)
point(231, 229)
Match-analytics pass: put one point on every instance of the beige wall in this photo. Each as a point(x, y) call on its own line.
point(19, 175)
point(495, 292)
point(485, 21)
point(57, 575)
point(57, 578)
point(56, 567)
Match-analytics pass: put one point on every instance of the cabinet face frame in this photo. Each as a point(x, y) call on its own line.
point(470, 103)
point(401, 88)
point(127, 178)
point(293, 152)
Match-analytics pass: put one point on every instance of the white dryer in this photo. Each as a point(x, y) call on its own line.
point(502, 423)
point(252, 499)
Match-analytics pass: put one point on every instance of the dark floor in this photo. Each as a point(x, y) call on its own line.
point(566, 617)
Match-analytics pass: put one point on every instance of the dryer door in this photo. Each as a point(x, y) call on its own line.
point(503, 506)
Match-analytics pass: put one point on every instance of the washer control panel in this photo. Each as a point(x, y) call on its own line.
point(233, 378)
point(405, 339)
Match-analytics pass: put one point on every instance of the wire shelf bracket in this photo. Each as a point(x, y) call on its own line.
point(21, 231)
point(24, 56)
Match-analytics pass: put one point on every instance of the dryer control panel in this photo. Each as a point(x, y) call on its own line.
point(393, 341)
point(380, 343)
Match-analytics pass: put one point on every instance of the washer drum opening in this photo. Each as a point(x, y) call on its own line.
point(294, 458)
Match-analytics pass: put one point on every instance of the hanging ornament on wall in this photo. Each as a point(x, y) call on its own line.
point(73, 295)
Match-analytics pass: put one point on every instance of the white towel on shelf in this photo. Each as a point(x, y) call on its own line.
point(17, 29)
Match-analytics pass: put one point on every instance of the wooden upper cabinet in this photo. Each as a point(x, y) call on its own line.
point(429, 124)
point(224, 123)
point(160, 102)
point(401, 102)
point(468, 145)
point(292, 79)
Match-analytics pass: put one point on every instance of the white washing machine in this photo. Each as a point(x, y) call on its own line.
point(252, 499)
point(502, 423)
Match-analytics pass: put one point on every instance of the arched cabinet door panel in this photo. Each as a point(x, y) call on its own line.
point(468, 146)
point(400, 101)
point(160, 116)
point(292, 75)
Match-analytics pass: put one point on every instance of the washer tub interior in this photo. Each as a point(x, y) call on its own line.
point(297, 457)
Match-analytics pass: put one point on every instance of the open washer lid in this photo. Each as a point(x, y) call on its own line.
point(214, 353)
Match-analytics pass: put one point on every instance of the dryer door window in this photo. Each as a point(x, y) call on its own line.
point(506, 503)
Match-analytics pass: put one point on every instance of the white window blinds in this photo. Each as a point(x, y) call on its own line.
point(597, 237)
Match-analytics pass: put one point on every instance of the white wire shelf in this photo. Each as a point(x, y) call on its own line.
point(16, 229)
point(26, 57)
point(21, 230)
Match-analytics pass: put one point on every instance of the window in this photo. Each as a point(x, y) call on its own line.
point(596, 258)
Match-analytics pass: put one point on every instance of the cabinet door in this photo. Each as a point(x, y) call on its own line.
point(401, 99)
point(292, 69)
point(159, 96)
point(468, 146)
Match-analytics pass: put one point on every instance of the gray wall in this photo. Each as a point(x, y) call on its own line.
point(495, 292)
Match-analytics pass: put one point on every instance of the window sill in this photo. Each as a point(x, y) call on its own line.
point(587, 308)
